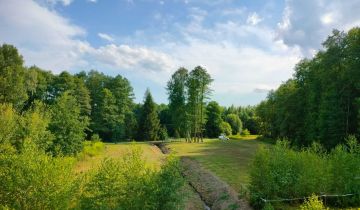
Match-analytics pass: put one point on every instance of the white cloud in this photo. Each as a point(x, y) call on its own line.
point(132, 58)
point(43, 37)
point(106, 37)
point(92, 1)
point(51, 41)
point(307, 23)
point(254, 19)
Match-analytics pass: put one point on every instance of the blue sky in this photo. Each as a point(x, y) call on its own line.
point(249, 47)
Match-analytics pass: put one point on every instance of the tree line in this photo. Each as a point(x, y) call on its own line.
point(321, 102)
point(64, 109)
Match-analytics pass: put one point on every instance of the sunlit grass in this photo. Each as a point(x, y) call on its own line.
point(227, 159)
point(151, 154)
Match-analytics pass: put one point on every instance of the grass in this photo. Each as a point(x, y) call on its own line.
point(229, 160)
point(151, 154)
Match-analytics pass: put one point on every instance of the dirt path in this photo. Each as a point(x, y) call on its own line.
point(214, 193)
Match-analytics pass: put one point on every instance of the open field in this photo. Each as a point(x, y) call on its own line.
point(227, 159)
point(151, 154)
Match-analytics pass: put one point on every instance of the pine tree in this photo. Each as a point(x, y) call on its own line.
point(149, 123)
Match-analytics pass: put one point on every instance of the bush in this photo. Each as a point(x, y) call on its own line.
point(130, 184)
point(92, 148)
point(163, 134)
point(245, 132)
point(313, 203)
point(225, 128)
point(280, 172)
point(35, 180)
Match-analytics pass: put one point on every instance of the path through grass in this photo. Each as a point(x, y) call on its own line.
point(229, 160)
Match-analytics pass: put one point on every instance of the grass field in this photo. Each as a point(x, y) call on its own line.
point(229, 160)
point(151, 154)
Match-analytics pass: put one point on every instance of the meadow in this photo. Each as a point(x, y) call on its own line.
point(229, 160)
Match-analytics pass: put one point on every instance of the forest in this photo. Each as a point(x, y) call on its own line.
point(48, 120)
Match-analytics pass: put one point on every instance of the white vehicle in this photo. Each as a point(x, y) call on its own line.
point(223, 137)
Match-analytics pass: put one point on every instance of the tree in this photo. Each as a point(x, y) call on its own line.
point(176, 89)
point(131, 126)
point(12, 89)
point(235, 123)
point(149, 122)
point(225, 128)
point(198, 86)
point(313, 106)
point(108, 128)
point(67, 125)
point(213, 122)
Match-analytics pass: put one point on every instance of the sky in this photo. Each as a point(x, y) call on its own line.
point(248, 46)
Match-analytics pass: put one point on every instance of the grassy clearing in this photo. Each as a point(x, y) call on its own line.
point(227, 159)
point(152, 155)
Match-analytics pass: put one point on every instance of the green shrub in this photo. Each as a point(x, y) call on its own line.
point(34, 180)
point(130, 184)
point(91, 148)
point(313, 203)
point(95, 138)
point(245, 132)
point(280, 172)
point(225, 128)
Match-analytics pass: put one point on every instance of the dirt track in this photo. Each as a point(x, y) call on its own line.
point(216, 194)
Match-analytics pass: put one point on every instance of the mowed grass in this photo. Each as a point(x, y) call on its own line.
point(229, 160)
point(151, 154)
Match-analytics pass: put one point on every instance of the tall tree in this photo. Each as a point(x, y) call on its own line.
point(176, 89)
point(149, 122)
point(12, 89)
point(198, 86)
point(235, 123)
point(67, 125)
point(213, 123)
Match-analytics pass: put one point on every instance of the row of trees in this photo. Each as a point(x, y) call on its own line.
point(322, 100)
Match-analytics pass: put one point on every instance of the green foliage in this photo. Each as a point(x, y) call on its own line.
point(131, 126)
point(32, 126)
point(149, 123)
point(245, 132)
point(111, 106)
point(313, 105)
point(67, 125)
point(35, 180)
point(235, 123)
point(9, 127)
point(176, 89)
point(12, 89)
point(92, 148)
point(213, 123)
point(198, 89)
point(163, 134)
point(130, 184)
point(313, 203)
point(280, 172)
point(225, 128)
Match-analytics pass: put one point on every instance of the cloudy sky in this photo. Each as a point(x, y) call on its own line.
point(248, 46)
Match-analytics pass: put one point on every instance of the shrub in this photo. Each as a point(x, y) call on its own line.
point(313, 203)
point(225, 128)
point(163, 134)
point(245, 132)
point(280, 172)
point(34, 180)
point(92, 148)
point(130, 184)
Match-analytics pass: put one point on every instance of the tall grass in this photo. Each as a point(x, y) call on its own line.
point(280, 172)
